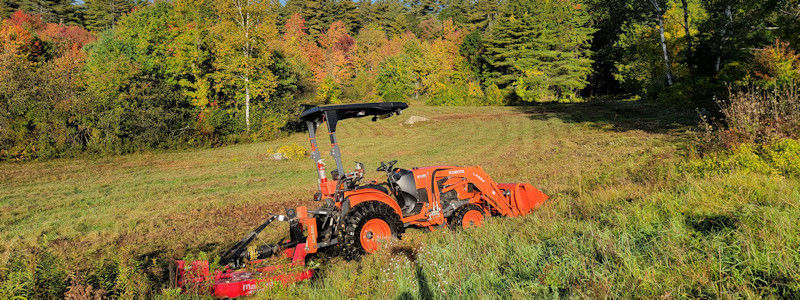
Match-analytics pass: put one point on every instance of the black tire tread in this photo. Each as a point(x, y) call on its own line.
point(456, 220)
point(355, 220)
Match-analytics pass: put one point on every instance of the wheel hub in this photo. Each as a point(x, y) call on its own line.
point(472, 218)
point(372, 233)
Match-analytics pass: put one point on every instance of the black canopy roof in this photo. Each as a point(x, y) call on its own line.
point(334, 113)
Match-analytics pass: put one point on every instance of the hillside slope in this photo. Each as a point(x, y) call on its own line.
point(622, 221)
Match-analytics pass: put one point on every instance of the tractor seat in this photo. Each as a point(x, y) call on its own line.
point(374, 186)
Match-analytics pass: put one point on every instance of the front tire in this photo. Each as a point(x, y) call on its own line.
point(368, 225)
point(467, 216)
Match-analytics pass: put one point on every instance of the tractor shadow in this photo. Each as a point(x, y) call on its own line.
point(425, 292)
point(617, 115)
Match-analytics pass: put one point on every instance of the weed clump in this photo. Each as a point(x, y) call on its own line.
point(34, 273)
point(756, 115)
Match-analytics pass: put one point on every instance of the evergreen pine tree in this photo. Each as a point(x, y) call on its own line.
point(482, 14)
point(389, 15)
point(51, 11)
point(422, 8)
point(456, 10)
point(102, 14)
point(538, 49)
point(347, 11)
point(6, 8)
point(315, 13)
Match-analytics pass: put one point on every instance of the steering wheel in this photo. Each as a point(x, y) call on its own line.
point(386, 167)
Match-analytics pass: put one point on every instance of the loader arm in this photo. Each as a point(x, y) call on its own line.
point(490, 191)
point(505, 199)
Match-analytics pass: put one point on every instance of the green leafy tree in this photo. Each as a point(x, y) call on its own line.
point(134, 100)
point(732, 28)
point(611, 18)
point(395, 80)
point(788, 21)
point(191, 50)
point(654, 49)
point(472, 49)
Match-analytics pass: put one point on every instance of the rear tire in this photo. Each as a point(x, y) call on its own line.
point(466, 216)
point(366, 225)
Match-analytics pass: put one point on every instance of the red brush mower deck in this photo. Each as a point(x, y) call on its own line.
point(356, 216)
point(230, 283)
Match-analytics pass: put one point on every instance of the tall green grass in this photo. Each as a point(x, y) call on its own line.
point(626, 218)
point(730, 236)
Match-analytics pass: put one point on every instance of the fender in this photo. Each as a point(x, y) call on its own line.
point(363, 195)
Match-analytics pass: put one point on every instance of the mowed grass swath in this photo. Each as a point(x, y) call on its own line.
point(623, 220)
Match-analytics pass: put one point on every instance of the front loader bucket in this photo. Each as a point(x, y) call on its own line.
point(524, 197)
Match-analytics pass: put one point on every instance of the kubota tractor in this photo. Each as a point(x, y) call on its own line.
point(357, 216)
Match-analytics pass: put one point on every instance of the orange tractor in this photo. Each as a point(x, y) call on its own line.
point(357, 216)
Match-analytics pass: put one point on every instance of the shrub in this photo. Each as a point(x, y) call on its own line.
point(777, 65)
point(290, 151)
point(784, 156)
point(50, 279)
point(329, 91)
point(532, 87)
point(16, 276)
point(458, 93)
point(32, 272)
point(364, 88)
point(104, 277)
point(780, 158)
point(494, 95)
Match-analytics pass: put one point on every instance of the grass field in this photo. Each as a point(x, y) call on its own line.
point(623, 221)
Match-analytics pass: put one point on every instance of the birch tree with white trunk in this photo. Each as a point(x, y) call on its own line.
point(244, 31)
point(659, 13)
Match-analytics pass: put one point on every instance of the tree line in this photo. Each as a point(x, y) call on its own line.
point(116, 76)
